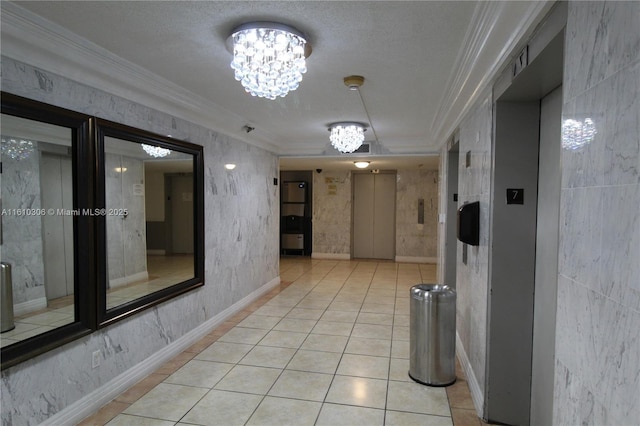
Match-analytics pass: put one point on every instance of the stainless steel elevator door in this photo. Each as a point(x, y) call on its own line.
point(374, 213)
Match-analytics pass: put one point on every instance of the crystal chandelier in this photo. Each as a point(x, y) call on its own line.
point(156, 151)
point(268, 58)
point(17, 149)
point(346, 137)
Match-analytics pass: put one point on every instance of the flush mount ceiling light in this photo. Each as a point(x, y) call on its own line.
point(156, 151)
point(361, 164)
point(268, 58)
point(346, 136)
point(17, 149)
point(229, 166)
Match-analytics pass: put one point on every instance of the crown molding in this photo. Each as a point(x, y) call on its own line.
point(495, 30)
point(30, 39)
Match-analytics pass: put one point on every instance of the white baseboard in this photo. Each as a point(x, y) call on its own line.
point(92, 402)
point(331, 256)
point(119, 282)
point(416, 259)
point(474, 387)
point(29, 306)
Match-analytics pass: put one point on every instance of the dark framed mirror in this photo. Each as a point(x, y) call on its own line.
point(150, 219)
point(48, 267)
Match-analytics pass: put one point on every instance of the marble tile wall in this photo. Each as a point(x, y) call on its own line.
point(332, 212)
point(413, 240)
point(472, 276)
point(241, 249)
point(597, 377)
point(22, 234)
point(126, 239)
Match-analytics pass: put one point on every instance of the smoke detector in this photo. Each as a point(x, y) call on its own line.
point(353, 82)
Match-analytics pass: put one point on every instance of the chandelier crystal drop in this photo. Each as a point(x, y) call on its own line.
point(268, 58)
point(346, 137)
point(156, 151)
point(17, 149)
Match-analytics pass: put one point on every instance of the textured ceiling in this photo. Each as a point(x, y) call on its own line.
point(407, 52)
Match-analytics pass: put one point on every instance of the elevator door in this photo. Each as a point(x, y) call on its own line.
point(374, 209)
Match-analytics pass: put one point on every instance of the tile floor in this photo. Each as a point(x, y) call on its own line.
point(330, 346)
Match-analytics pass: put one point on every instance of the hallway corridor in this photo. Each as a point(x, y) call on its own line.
point(329, 346)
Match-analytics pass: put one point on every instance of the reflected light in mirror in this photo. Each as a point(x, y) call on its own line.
point(156, 151)
point(120, 169)
point(17, 149)
point(229, 166)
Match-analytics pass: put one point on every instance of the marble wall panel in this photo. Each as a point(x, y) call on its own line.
point(411, 239)
point(332, 212)
point(21, 233)
point(472, 276)
point(597, 337)
point(241, 249)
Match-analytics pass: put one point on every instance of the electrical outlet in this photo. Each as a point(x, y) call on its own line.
point(95, 359)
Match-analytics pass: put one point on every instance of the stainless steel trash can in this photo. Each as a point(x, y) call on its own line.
point(432, 334)
point(6, 298)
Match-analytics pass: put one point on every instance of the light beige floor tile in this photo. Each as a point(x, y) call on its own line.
point(346, 415)
point(315, 361)
point(249, 379)
point(373, 299)
point(345, 306)
point(167, 402)
point(249, 336)
point(302, 385)
point(364, 366)
point(281, 412)
point(377, 308)
point(396, 418)
point(358, 391)
point(204, 374)
point(259, 321)
point(283, 339)
point(224, 352)
point(374, 347)
point(267, 356)
point(325, 343)
point(371, 318)
point(333, 328)
point(314, 304)
point(399, 370)
point(272, 311)
point(417, 398)
point(339, 316)
point(303, 313)
point(298, 325)
point(401, 333)
point(128, 420)
point(400, 349)
point(372, 331)
point(221, 408)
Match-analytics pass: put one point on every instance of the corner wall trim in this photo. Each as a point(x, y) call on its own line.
point(92, 402)
point(476, 393)
point(333, 256)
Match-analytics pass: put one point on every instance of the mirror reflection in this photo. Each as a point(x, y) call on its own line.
point(36, 232)
point(149, 213)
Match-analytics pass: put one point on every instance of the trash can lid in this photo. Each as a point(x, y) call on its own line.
point(441, 292)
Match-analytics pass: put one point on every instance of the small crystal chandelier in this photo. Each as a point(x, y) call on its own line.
point(268, 58)
point(156, 151)
point(346, 137)
point(17, 149)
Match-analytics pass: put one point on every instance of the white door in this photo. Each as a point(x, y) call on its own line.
point(374, 212)
point(57, 230)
